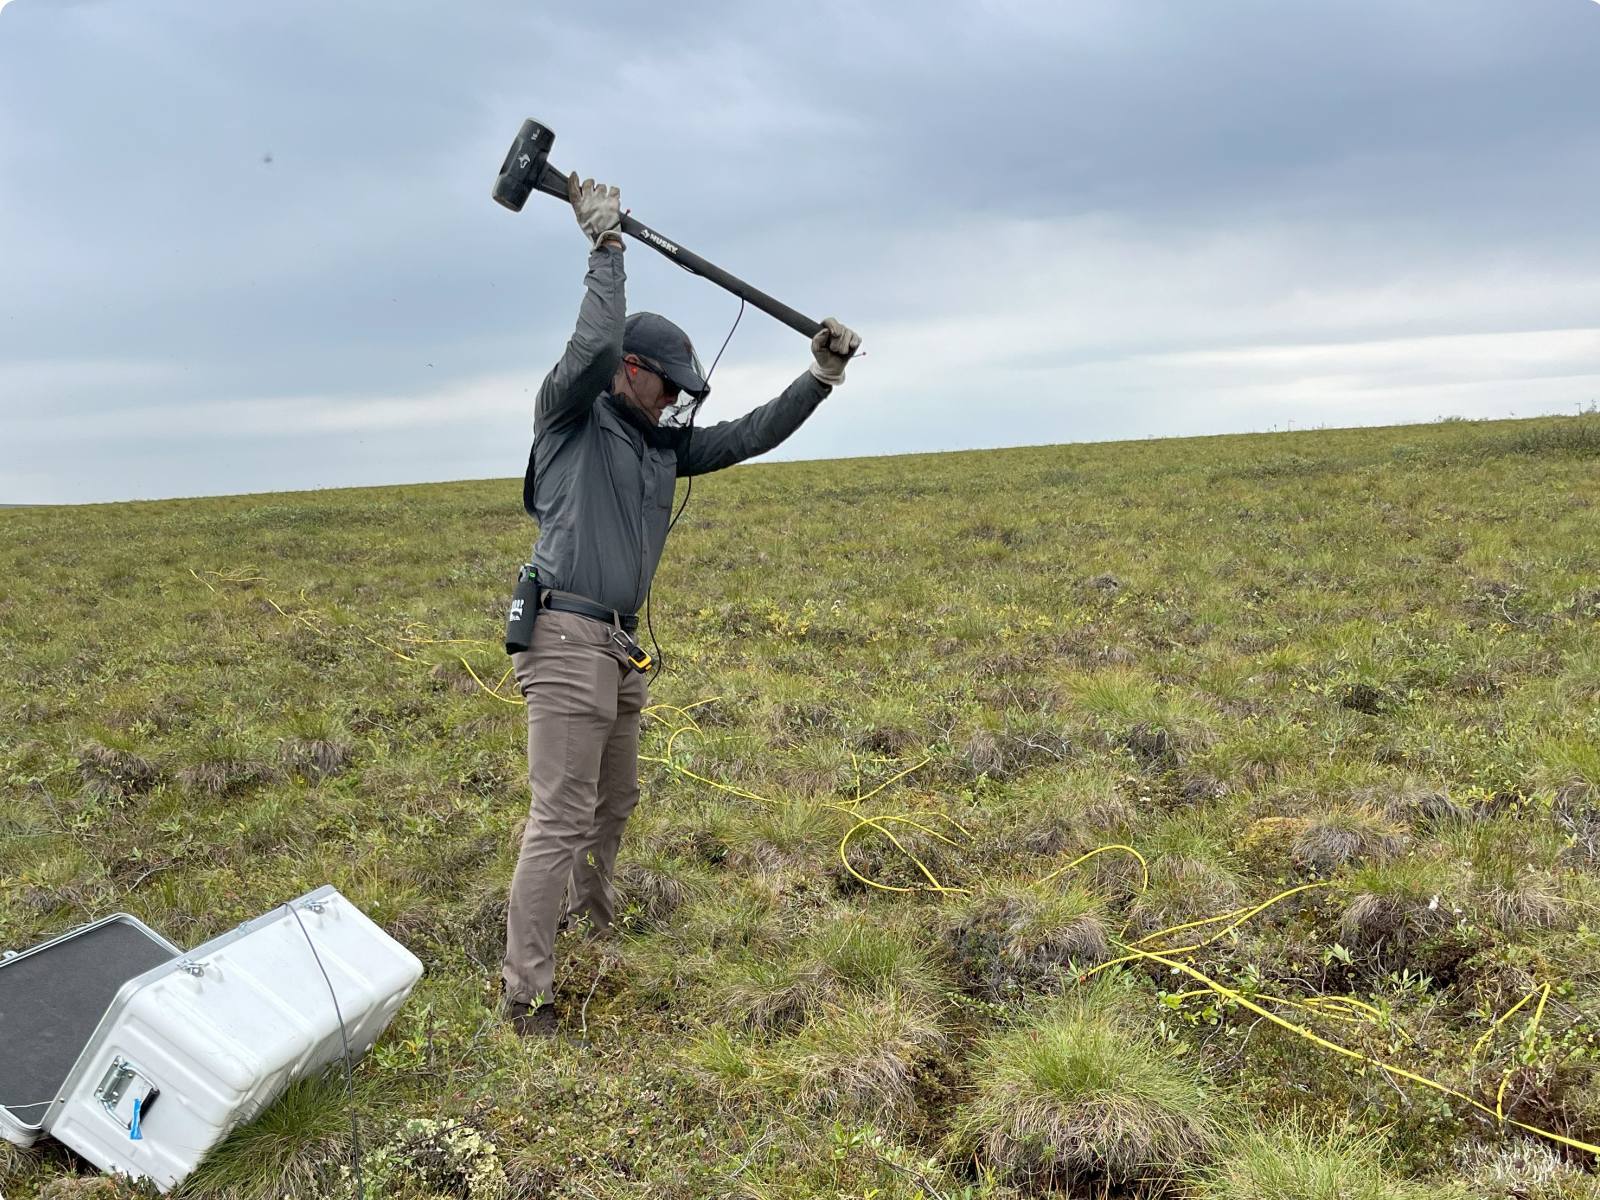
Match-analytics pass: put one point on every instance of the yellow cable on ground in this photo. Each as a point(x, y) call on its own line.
point(299, 616)
point(408, 636)
point(1222, 933)
point(519, 701)
point(1301, 1031)
point(860, 799)
point(1247, 913)
point(416, 634)
point(1357, 1011)
point(1498, 1021)
point(1527, 1035)
point(1134, 951)
point(387, 649)
point(1143, 866)
point(1189, 924)
point(878, 823)
point(866, 822)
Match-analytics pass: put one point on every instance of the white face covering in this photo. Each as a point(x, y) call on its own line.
point(682, 411)
point(681, 414)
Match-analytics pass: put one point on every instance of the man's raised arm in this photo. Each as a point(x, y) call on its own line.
point(595, 350)
point(729, 442)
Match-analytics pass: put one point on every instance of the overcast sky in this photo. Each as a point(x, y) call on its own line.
point(250, 246)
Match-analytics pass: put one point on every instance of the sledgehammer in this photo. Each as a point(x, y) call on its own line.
point(527, 169)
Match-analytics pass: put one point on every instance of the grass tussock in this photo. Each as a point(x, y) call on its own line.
point(863, 1052)
point(848, 1018)
point(1400, 903)
point(1423, 809)
point(298, 1146)
point(1193, 871)
point(1347, 835)
point(652, 886)
point(314, 758)
point(1081, 1100)
point(842, 959)
point(1013, 937)
point(1511, 876)
point(1289, 1160)
point(115, 772)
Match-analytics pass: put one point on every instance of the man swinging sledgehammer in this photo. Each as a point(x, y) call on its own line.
point(600, 484)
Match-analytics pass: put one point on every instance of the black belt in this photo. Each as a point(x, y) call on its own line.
point(588, 608)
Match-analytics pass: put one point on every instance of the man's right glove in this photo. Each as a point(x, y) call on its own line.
point(599, 209)
point(832, 347)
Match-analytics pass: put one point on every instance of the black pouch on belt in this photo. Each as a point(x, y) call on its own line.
point(524, 608)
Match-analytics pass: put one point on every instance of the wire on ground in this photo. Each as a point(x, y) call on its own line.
point(1347, 1009)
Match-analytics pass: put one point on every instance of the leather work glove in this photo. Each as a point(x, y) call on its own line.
point(832, 347)
point(598, 207)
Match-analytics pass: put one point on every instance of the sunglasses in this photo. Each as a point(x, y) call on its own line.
point(668, 388)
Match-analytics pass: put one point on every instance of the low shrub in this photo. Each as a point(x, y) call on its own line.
point(427, 1159)
point(1524, 1169)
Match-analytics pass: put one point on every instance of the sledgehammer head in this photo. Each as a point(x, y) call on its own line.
point(525, 164)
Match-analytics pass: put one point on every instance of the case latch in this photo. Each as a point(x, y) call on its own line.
point(127, 1094)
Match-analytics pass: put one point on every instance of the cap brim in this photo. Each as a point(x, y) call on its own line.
point(687, 381)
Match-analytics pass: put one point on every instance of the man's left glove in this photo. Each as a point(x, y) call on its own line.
point(599, 209)
point(832, 347)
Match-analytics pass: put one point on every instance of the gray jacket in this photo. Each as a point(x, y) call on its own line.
point(600, 478)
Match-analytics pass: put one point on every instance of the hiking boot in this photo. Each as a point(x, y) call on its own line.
point(529, 1021)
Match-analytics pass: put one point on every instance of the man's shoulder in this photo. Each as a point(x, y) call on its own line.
point(570, 423)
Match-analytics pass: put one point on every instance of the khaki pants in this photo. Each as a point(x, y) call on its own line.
point(583, 768)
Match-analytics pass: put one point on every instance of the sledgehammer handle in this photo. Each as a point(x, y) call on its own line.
point(693, 263)
point(553, 183)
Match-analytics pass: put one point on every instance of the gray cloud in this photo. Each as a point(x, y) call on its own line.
point(1052, 221)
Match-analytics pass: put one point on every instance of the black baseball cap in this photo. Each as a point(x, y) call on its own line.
point(668, 351)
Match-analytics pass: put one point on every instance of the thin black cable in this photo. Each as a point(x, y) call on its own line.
point(688, 490)
point(344, 1038)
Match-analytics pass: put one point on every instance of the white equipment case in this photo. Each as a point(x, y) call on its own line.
point(193, 1044)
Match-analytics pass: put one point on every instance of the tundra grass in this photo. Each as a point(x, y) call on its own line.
point(1361, 660)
